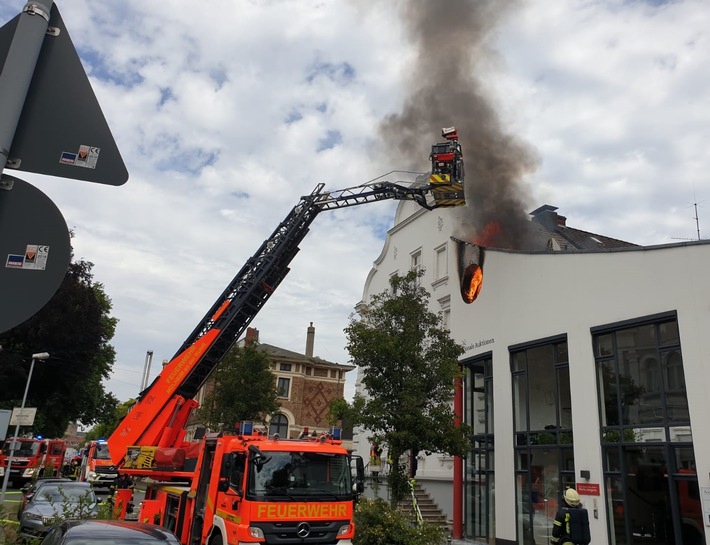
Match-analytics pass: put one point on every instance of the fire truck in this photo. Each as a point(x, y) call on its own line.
point(251, 488)
point(248, 488)
point(31, 458)
point(96, 466)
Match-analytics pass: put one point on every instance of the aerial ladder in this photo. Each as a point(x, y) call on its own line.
point(159, 416)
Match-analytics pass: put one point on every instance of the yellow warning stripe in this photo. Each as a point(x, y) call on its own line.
point(229, 516)
point(5, 521)
point(450, 194)
point(440, 179)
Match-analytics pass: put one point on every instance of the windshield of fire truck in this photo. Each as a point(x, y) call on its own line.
point(294, 475)
point(102, 451)
point(22, 448)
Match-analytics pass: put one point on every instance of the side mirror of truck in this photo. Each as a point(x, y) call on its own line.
point(258, 458)
point(359, 477)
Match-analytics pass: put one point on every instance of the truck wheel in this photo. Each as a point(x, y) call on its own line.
point(216, 539)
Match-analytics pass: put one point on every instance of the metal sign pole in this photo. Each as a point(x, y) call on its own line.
point(40, 356)
point(19, 68)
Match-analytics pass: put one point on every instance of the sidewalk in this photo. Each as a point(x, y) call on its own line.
point(465, 542)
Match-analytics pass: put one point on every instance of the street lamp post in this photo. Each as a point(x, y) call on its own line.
point(41, 356)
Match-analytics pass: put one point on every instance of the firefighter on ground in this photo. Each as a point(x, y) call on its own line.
point(571, 522)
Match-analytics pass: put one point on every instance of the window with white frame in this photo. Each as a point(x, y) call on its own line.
point(393, 288)
point(441, 263)
point(416, 264)
point(279, 424)
point(445, 303)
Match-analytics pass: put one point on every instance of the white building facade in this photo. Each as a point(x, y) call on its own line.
point(582, 368)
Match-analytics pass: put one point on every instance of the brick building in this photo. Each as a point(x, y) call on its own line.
point(306, 384)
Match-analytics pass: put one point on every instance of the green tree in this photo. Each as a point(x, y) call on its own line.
point(243, 389)
point(75, 328)
point(409, 364)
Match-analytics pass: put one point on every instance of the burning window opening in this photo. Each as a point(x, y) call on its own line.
point(471, 283)
point(470, 269)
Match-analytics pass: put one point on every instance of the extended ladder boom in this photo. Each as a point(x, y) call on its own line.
point(159, 416)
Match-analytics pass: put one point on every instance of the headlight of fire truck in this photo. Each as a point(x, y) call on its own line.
point(344, 530)
point(256, 532)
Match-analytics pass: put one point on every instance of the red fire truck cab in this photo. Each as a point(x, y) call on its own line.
point(249, 488)
point(32, 458)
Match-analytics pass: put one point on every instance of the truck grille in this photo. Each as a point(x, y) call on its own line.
point(287, 533)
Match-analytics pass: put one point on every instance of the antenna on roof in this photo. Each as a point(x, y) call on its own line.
point(696, 217)
point(695, 206)
point(697, 220)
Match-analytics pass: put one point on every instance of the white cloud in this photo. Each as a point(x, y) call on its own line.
point(219, 111)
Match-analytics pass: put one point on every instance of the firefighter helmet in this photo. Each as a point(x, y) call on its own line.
point(572, 497)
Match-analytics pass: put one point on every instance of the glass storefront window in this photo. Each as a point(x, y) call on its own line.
point(668, 333)
point(564, 405)
point(684, 460)
point(519, 362)
point(480, 489)
point(603, 345)
point(544, 457)
point(609, 392)
point(561, 353)
point(612, 459)
point(680, 434)
point(649, 464)
point(615, 509)
point(520, 402)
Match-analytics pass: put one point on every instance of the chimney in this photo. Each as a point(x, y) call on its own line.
point(310, 338)
point(548, 218)
point(252, 337)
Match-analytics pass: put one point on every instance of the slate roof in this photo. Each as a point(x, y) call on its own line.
point(584, 240)
point(549, 231)
point(281, 353)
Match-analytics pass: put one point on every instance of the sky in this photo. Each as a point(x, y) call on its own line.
point(227, 112)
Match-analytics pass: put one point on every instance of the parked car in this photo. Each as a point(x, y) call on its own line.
point(109, 532)
point(54, 501)
point(30, 489)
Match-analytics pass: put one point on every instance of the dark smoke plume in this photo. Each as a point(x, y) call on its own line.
point(451, 45)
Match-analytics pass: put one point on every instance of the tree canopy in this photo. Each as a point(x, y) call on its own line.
point(75, 328)
point(408, 365)
point(242, 389)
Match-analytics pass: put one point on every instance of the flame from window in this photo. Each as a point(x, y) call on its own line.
point(471, 283)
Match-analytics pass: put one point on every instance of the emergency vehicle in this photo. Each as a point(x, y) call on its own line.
point(32, 458)
point(248, 488)
point(96, 466)
point(221, 490)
